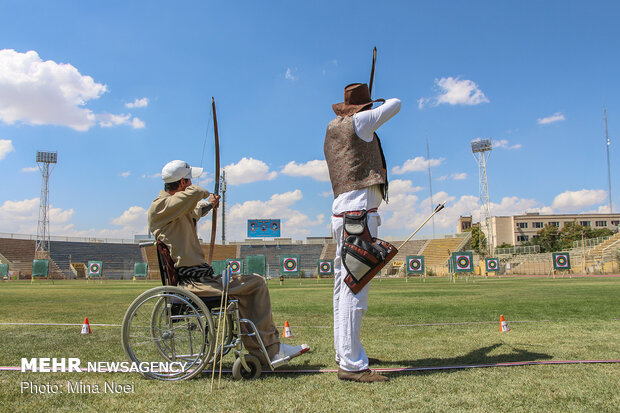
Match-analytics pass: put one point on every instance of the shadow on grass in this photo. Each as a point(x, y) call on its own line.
point(478, 356)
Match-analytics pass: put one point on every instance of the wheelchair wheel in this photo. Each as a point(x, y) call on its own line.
point(171, 326)
point(239, 372)
point(228, 336)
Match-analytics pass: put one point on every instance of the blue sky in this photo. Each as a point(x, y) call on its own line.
point(120, 88)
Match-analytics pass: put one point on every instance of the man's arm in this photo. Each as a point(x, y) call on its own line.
point(177, 205)
point(368, 121)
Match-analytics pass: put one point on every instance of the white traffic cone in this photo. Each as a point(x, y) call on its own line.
point(287, 330)
point(503, 324)
point(86, 327)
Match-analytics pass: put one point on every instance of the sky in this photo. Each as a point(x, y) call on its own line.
point(119, 88)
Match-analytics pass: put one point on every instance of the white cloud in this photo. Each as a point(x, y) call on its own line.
point(41, 92)
point(455, 176)
point(6, 146)
point(556, 117)
point(125, 174)
point(417, 164)
point(295, 224)
point(455, 91)
point(149, 176)
point(403, 186)
point(316, 169)
point(504, 144)
point(38, 92)
point(248, 170)
point(289, 74)
point(134, 217)
point(30, 169)
point(22, 216)
point(107, 120)
point(137, 123)
point(327, 194)
point(138, 103)
point(574, 201)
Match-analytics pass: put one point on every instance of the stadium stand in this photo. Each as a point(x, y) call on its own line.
point(220, 252)
point(309, 254)
point(118, 259)
point(437, 251)
point(19, 253)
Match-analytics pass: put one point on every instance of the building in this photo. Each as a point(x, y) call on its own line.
point(518, 229)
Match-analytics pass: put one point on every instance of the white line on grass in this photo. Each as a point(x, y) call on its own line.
point(298, 326)
point(58, 324)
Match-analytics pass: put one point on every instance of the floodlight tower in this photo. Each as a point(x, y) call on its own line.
point(481, 148)
point(44, 160)
point(608, 142)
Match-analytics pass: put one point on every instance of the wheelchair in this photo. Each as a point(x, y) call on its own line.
point(169, 326)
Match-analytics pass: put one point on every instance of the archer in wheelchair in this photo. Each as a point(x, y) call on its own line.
point(178, 321)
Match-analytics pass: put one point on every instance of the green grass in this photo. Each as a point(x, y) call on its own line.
point(569, 319)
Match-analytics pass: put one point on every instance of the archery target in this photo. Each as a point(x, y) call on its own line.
point(561, 261)
point(235, 267)
point(463, 262)
point(289, 264)
point(325, 267)
point(94, 268)
point(415, 264)
point(492, 264)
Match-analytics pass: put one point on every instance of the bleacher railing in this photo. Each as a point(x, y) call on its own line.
point(71, 239)
point(590, 243)
point(526, 249)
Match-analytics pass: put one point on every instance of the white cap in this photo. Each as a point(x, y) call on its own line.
point(176, 170)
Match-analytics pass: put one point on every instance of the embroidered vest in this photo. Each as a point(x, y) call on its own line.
point(353, 163)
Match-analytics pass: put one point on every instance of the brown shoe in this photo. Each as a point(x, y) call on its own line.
point(363, 376)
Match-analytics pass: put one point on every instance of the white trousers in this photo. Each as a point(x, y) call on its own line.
point(349, 308)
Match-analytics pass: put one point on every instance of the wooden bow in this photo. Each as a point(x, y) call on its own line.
point(216, 190)
point(372, 70)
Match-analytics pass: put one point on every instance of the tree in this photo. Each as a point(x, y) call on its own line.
point(478, 239)
point(548, 238)
point(551, 238)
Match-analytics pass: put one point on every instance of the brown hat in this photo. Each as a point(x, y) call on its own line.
point(356, 98)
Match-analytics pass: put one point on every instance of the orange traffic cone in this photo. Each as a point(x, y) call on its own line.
point(86, 327)
point(287, 330)
point(503, 324)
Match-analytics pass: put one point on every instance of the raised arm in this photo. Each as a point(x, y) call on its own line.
point(368, 121)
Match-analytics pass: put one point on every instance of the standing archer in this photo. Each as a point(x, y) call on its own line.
point(358, 175)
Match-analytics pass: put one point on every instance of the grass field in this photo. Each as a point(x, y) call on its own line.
point(551, 319)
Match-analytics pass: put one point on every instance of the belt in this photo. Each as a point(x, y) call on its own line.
point(342, 215)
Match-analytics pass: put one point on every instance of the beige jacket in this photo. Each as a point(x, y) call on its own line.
point(173, 219)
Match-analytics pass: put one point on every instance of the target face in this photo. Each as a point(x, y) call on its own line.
point(94, 268)
point(289, 264)
point(235, 267)
point(325, 267)
point(561, 261)
point(415, 264)
point(463, 262)
point(492, 264)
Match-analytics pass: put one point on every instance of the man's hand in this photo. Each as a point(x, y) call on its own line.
point(214, 200)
